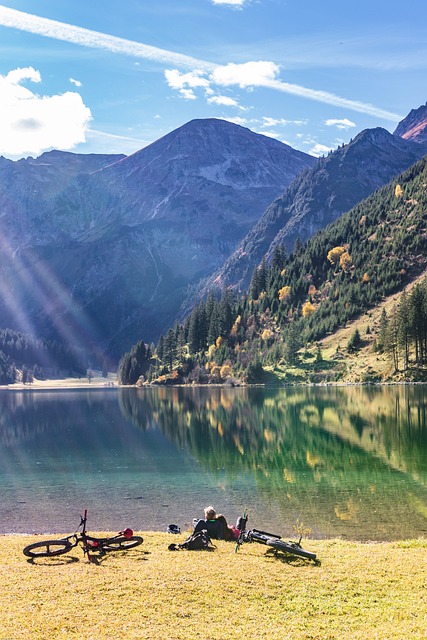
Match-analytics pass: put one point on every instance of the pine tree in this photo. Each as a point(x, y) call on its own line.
point(292, 344)
point(279, 258)
point(404, 327)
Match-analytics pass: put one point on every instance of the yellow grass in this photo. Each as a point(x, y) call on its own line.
point(359, 591)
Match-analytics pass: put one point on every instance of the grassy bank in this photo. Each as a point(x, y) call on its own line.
point(358, 591)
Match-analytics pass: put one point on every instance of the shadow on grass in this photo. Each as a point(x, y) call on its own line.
point(63, 560)
point(289, 558)
point(53, 562)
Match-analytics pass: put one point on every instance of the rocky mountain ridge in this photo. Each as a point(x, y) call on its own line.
point(414, 126)
point(318, 197)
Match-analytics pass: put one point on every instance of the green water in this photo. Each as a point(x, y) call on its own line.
point(347, 461)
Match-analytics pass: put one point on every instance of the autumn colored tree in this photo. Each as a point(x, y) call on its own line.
point(308, 309)
point(345, 261)
point(226, 371)
point(335, 254)
point(284, 293)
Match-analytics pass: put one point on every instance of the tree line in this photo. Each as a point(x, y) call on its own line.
point(25, 357)
point(403, 332)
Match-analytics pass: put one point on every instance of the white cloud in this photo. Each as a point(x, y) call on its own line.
point(186, 82)
point(16, 76)
point(233, 3)
point(271, 134)
point(225, 101)
point(319, 150)
point(31, 124)
point(94, 39)
point(340, 124)
point(274, 122)
point(249, 74)
point(243, 122)
point(76, 82)
point(246, 75)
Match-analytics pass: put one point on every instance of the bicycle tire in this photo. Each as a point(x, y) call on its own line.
point(47, 548)
point(290, 547)
point(122, 544)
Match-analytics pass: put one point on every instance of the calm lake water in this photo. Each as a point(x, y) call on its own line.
point(347, 461)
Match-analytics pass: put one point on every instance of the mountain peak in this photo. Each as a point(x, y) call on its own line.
point(414, 126)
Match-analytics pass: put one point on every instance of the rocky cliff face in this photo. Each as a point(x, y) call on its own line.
point(30, 190)
point(102, 249)
point(319, 196)
point(414, 126)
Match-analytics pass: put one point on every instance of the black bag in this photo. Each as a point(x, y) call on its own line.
point(195, 542)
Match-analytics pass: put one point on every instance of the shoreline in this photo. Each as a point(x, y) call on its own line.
point(97, 382)
point(421, 539)
point(104, 384)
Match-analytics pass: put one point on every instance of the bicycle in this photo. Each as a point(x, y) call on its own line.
point(271, 540)
point(123, 541)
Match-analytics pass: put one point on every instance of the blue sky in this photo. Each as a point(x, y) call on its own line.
point(104, 76)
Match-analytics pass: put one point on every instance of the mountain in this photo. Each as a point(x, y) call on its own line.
point(318, 197)
point(101, 250)
point(29, 192)
point(414, 126)
point(364, 259)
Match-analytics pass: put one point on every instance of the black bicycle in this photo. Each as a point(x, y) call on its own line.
point(123, 541)
point(272, 540)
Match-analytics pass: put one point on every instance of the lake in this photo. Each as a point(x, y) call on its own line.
point(346, 462)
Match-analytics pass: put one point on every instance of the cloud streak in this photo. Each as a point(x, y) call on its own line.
point(232, 3)
point(96, 40)
point(246, 75)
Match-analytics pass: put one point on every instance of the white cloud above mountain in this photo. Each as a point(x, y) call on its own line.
point(224, 101)
point(32, 123)
point(340, 124)
point(256, 73)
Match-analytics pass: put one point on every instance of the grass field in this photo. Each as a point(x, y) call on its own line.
point(358, 591)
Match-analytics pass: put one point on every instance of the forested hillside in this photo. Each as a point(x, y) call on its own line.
point(351, 266)
point(24, 357)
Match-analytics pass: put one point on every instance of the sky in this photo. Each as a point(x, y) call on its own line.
point(109, 76)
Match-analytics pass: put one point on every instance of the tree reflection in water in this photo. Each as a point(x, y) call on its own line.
point(347, 461)
point(352, 460)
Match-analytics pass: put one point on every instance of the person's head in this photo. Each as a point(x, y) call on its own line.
point(210, 513)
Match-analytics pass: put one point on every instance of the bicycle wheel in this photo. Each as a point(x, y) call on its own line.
point(290, 547)
point(47, 548)
point(122, 544)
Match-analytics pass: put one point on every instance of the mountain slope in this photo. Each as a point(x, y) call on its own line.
point(349, 268)
point(319, 196)
point(414, 126)
point(102, 251)
point(29, 189)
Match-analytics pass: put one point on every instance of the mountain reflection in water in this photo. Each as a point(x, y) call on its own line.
point(345, 461)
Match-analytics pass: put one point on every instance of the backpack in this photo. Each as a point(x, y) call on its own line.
point(195, 542)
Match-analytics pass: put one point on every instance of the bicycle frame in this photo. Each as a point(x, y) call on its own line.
point(272, 540)
point(91, 544)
